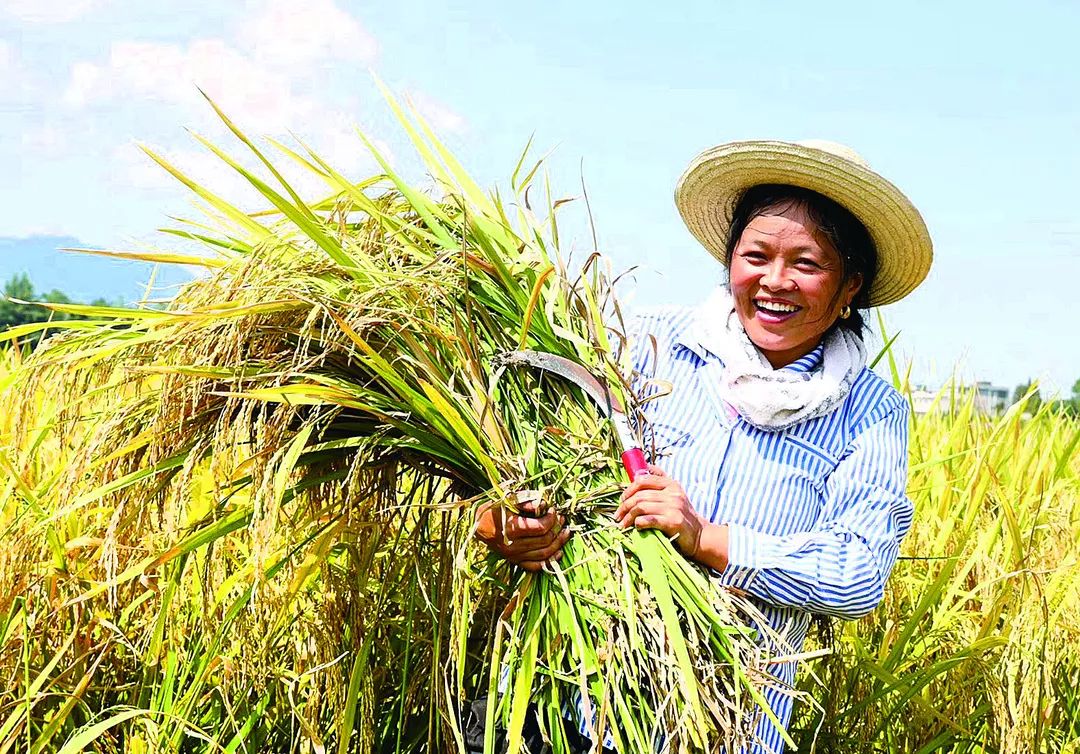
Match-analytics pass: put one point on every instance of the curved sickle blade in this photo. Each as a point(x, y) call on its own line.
point(632, 457)
point(572, 372)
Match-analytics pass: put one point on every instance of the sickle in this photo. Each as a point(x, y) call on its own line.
point(632, 457)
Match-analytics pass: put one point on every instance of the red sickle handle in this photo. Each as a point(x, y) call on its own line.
point(633, 461)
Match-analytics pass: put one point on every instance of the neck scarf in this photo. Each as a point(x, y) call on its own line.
point(775, 399)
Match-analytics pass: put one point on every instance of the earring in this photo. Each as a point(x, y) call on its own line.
point(845, 312)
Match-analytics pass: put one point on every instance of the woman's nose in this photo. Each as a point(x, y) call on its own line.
point(776, 278)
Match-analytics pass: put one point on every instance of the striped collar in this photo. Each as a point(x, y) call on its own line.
point(809, 362)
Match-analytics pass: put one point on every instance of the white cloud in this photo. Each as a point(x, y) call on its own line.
point(48, 11)
point(258, 97)
point(337, 143)
point(254, 76)
point(85, 84)
point(137, 170)
point(48, 140)
point(441, 117)
point(13, 79)
point(263, 77)
point(287, 33)
point(171, 73)
point(7, 67)
point(19, 229)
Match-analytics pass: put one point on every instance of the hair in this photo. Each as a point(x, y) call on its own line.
point(850, 238)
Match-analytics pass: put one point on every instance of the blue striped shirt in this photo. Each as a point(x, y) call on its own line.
point(815, 513)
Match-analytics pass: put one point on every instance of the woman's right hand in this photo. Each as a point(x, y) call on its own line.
point(529, 541)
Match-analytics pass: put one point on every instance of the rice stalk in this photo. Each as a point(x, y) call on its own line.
point(307, 433)
point(973, 644)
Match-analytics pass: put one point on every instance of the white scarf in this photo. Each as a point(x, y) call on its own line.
point(775, 399)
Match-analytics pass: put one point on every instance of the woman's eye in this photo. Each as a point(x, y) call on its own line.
point(808, 264)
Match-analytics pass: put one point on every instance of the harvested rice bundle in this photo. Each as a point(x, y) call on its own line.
point(342, 365)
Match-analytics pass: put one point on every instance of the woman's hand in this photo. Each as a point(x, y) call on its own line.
point(529, 540)
point(656, 501)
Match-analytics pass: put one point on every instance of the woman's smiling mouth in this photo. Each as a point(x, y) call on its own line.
point(774, 311)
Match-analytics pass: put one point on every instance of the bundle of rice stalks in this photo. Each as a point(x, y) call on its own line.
point(332, 387)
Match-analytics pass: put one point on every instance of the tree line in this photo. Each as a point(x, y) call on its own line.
point(1069, 405)
point(14, 313)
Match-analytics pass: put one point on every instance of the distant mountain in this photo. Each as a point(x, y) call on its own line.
point(83, 277)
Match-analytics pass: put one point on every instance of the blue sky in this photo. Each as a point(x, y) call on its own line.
point(970, 108)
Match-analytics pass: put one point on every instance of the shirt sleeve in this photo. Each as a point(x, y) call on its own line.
point(840, 567)
point(641, 343)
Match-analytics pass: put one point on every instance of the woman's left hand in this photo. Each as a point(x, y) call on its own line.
point(656, 501)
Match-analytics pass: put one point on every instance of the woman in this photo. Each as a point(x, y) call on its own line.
point(781, 458)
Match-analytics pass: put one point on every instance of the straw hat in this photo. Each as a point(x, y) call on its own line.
point(709, 188)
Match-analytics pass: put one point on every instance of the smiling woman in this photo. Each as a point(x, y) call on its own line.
point(796, 462)
point(790, 473)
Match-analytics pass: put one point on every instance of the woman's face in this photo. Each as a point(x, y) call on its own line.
point(785, 277)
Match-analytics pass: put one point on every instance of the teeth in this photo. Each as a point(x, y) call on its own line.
point(774, 307)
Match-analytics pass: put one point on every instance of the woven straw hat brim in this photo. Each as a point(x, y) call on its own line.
point(709, 188)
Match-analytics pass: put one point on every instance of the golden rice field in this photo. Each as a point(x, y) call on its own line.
point(973, 650)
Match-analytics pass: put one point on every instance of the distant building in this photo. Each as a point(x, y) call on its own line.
point(925, 401)
point(989, 400)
